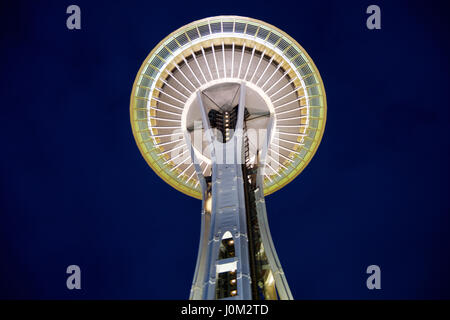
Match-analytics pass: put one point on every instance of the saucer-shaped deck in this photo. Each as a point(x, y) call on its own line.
point(214, 56)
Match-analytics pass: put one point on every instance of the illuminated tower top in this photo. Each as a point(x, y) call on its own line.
point(283, 89)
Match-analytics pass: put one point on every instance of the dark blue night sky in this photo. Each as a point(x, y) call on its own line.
point(74, 188)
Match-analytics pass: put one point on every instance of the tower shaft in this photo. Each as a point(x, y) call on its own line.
point(236, 258)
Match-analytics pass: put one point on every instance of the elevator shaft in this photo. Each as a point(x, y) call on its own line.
point(233, 261)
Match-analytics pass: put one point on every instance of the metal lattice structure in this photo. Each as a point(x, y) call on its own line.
point(229, 109)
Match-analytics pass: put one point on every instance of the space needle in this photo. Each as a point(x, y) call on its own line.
point(228, 110)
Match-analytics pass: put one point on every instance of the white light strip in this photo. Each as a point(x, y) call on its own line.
point(226, 267)
point(191, 176)
point(249, 63)
point(178, 81)
point(276, 82)
point(280, 146)
point(287, 84)
point(207, 64)
point(215, 61)
point(179, 164)
point(290, 160)
point(240, 64)
point(288, 141)
point(164, 119)
point(293, 118)
point(176, 148)
point(174, 89)
point(166, 135)
point(267, 67)
point(224, 64)
point(198, 66)
point(293, 134)
point(232, 59)
point(166, 128)
point(193, 73)
point(204, 170)
point(293, 126)
point(168, 104)
point(171, 159)
point(181, 71)
point(257, 66)
point(170, 96)
point(291, 92)
point(185, 170)
point(274, 73)
point(165, 111)
point(296, 109)
point(279, 163)
point(285, 104)
point(166, 143)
